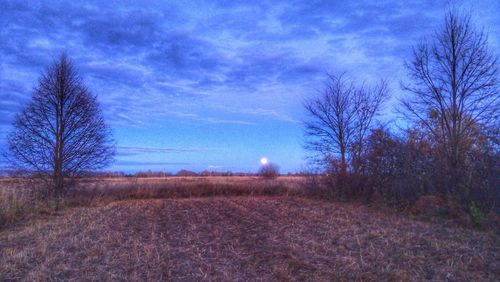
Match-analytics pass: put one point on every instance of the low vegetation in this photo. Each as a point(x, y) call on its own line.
point(231, 228)
point(243, 238)
point(22, 199)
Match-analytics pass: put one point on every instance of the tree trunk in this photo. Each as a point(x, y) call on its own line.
point(343, 164)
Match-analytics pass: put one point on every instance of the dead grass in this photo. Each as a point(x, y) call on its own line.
point(99, 192)
point(20, 201)
point(243, 238)
point(16, 202)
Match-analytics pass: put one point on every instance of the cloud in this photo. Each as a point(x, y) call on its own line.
point(215, 166)
point(132, 150)
point(215, 63)
point(138, 56)
point(148, 164)
point(208, 119)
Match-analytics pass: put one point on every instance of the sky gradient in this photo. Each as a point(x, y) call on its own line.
point(213, 85)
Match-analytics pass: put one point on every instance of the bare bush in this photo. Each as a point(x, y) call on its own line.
point(400, 168)
point(269, 171)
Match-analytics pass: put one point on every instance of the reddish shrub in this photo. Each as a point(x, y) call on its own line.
point(428, 205)
point(455, 209)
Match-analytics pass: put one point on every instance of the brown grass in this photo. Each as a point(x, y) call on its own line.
point(16, 201)
point(109, 190)
point(20, 201)
point(243, 238)
point(248, 229)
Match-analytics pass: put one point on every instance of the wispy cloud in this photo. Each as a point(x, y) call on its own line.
point(215, 166)
point(150, 164)
point(213, 64)
point(154, 150)
point(208, 119)
point(272, 114)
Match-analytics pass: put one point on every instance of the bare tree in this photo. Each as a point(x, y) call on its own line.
point(454, 88)
point(340, 118)
point(61, 133)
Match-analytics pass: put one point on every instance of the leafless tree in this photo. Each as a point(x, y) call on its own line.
point(61, 133)
point(454, 87)
point(340, 118)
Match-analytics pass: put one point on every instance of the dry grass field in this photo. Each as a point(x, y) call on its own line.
point(229, 232)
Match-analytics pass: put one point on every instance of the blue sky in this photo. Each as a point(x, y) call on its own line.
point(213, 84)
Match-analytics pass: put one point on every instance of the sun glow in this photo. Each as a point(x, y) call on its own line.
point(263, 161)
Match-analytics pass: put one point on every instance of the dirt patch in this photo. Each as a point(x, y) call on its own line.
point(243, 238)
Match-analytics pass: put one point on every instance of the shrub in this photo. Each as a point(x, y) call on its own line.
point(477, 215)
point(269, 171)
point(428, 206)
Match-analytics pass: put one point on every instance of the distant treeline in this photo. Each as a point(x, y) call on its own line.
point(185, 173)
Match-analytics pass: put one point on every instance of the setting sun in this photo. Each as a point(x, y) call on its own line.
point(263, 161)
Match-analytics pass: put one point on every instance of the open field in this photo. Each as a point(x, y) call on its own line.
point(9, 185)
point(242, 238)
point(18, 196)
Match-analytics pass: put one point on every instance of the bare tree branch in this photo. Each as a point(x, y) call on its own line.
point(61, 132)
point(340, 118)
point(454, 86)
